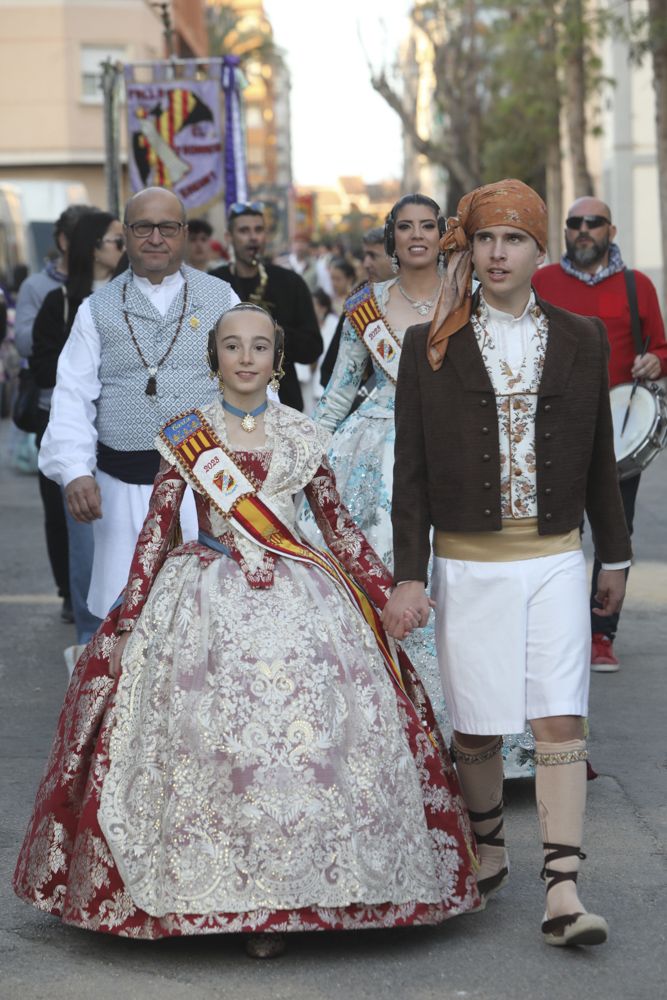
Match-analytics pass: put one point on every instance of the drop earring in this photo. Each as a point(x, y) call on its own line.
point(221, 384)
point(274, 381)
point(394, 263)
point(441, 263)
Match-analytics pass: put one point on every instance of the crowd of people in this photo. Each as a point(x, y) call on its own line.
point(313, 518)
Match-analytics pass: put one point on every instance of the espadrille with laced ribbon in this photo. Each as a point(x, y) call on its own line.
point(569, 928)
point(488, 886)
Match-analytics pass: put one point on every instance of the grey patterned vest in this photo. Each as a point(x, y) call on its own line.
point(128, 419)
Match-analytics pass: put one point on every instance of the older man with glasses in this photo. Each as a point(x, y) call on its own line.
point(592, 280)
point(136, 356)
point(281, 291)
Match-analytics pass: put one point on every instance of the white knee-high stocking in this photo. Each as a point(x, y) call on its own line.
point(560, 792)
point(480, 774)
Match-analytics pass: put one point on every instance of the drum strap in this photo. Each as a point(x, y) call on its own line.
point(635, 321)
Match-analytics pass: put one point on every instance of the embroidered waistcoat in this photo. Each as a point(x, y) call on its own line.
point(516, 390)
point(127, 418)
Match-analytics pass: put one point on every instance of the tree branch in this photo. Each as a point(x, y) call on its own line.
point(439, 152)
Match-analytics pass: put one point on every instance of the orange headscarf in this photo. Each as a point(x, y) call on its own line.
point(505, 203)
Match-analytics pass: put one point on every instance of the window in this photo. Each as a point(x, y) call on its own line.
point(91, 75)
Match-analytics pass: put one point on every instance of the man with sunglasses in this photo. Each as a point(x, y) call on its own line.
point(590, 281)
point(136, 356)
point(281, 291)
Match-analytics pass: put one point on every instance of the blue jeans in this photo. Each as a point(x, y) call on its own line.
point(81, 545)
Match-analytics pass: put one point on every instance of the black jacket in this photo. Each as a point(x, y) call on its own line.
point(288, 300)
point(447, 453)
point(49, 334)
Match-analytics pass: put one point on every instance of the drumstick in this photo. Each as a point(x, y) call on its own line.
point(635, 383)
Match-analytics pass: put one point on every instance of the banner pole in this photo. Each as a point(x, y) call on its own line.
point(110, 80)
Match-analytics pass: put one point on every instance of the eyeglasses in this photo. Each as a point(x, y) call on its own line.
point(245, 208)
point(117, 241)
point(592, 221)
point(167, 229)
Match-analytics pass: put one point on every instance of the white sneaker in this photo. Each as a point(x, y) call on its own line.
point(72, 654)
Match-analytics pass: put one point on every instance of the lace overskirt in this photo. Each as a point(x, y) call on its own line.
point(256, 769)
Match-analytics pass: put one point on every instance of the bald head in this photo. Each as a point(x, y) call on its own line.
point(155, 233)
point(589, 234)
point(589, 206)
point(136, 205)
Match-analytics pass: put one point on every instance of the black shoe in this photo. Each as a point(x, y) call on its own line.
point(66, 613)
point(575, 928)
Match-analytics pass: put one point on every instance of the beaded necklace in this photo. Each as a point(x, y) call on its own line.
point(151, 384)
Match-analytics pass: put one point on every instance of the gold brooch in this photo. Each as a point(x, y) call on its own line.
point(194, 323)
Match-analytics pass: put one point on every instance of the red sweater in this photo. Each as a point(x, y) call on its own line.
point(609, 301)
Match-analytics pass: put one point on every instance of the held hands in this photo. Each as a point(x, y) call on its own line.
point(115, 664)
point(407, 608)
point(83, 499)
point(610, 592)
point(647, 367)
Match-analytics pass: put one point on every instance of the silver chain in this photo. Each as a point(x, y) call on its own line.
point(421, 305)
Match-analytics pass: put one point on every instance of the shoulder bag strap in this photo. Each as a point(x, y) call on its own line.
point(65, 307)
point(635, 321)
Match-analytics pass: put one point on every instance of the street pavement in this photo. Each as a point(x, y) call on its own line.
point(495, 955)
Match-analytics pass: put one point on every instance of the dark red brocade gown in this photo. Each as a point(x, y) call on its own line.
point(255, 768)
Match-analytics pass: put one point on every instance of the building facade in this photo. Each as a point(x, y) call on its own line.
point(51, 104)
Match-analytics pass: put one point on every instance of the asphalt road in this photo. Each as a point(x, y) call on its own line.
point(495, 955)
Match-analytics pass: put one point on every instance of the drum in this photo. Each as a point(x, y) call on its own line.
point(645, 433)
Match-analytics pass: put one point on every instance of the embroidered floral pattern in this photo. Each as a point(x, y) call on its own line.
point(362, 458)
point(256, 768)
point(516, 403)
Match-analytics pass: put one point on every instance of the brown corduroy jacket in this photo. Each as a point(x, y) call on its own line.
point(447, 456)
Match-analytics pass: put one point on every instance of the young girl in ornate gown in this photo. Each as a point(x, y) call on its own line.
point(240, 748)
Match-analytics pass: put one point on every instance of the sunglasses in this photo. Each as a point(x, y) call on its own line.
point(245, 208)
point(592, 221)
point(117, 241)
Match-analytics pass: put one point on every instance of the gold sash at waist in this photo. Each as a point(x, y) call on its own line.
point(518, 539)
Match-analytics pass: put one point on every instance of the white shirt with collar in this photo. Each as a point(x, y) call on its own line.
point(69, 446)
point(513, 349)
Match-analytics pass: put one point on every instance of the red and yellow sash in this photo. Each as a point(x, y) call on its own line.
point(206, 463)
point(368, 322)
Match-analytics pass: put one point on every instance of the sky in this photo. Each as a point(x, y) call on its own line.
point(340, 125)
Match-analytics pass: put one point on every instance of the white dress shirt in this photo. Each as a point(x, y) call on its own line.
point(69, 445)
point(513, 349)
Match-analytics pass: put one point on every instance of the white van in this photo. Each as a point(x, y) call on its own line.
point(43, 201)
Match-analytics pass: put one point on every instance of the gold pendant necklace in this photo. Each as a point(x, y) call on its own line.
point(248, 422)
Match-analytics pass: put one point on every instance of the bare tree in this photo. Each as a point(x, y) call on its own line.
point(554, 155)
point(576, 91)
point(657, 42)
point(453, 30)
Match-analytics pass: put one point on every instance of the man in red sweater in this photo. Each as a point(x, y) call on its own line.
point(589, 280)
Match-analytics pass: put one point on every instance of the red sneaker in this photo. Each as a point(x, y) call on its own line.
point(603, 660)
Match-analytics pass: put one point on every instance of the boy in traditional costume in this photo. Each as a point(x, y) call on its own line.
point(503, 438)
point(266, 762)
